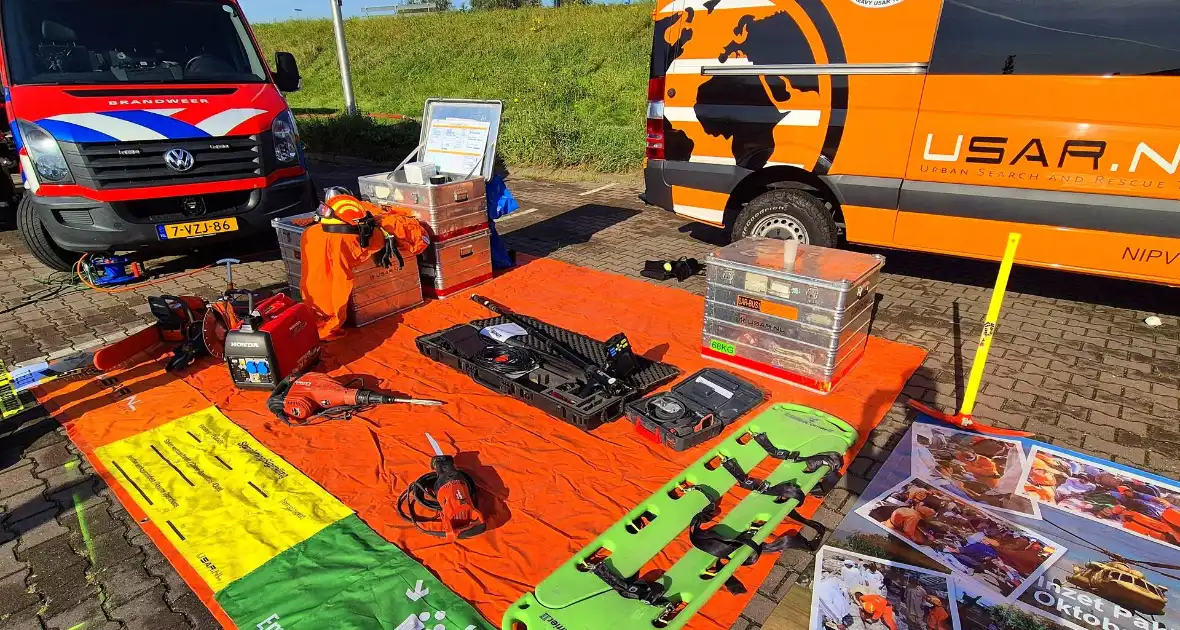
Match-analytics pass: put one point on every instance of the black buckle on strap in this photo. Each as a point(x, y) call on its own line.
point(632, 588)
point(743, 479)
point(782, 491)
point(812, 463)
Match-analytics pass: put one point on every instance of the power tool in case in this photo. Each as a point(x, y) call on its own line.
point(276, 339)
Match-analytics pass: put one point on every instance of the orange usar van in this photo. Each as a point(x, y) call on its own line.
point(931, 125)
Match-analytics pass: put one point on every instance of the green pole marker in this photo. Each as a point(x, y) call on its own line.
point(575, 597)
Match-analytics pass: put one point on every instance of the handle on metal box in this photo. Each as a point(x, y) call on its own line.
point(467, 252)
point(461, 195)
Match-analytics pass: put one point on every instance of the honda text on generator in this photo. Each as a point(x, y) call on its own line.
point(144, 125)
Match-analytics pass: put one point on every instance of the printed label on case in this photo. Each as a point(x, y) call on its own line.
point(723, 347)
point(770, 308)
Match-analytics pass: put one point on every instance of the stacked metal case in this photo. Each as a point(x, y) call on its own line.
point(377, 293)
point(445, 210)
point(794, 312)
point(454, 211)
point(459, 255)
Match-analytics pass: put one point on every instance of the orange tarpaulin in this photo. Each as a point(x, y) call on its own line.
point(548, 487)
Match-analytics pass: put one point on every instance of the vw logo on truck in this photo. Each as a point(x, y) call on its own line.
point(179, 160)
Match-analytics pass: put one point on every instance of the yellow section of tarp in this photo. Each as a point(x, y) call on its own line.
point(225, 501)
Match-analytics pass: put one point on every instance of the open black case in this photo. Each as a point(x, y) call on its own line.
point(696, 410)
point(549, 383)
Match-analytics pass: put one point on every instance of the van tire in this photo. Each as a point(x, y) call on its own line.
point(793, 210)
point(39, 242)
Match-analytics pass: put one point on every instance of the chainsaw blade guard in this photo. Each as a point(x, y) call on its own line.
point(578, 598)
point(215, 327)
point(225, 315)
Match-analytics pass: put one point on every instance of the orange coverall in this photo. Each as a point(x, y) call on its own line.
point(907, 519)
point(877, 608)
point(937, 619)
point(329, 260)
point(984, 469)
point(1167, 530)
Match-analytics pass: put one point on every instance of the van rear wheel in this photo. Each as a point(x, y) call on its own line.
point(38, 240)
point(789, 215)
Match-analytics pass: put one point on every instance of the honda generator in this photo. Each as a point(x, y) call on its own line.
point(275, 340)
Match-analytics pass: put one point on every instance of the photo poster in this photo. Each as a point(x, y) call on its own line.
point(1039, 538)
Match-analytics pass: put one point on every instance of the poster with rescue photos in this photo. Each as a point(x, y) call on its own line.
point(1095, 547)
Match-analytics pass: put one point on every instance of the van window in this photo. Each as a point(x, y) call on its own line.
point(1062, 37)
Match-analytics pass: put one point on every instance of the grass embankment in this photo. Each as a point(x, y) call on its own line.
point(573, 80)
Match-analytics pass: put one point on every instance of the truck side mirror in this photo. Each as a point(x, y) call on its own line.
point(287, 72)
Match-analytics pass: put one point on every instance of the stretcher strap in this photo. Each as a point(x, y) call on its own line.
point(826, 484)
point(782, 491)
point(812, 463)
point(797, 540)
point(718, 546)
point(833, 460)
point(632, 587)
point(709, 541)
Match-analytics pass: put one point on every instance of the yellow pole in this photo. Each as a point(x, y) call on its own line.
point(989, 326)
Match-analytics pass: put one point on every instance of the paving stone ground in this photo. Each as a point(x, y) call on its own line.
point(1072, 361)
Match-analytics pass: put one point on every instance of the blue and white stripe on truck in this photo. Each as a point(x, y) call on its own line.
point(142, 124)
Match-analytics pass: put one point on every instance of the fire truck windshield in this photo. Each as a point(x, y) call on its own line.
point(88, 42)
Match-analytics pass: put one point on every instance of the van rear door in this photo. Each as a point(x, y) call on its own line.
point(666, 46)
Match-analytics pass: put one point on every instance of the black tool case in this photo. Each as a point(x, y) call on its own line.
point(549, 386)
point(696, 410)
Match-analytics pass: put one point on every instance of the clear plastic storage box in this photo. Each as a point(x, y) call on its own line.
point(794, 312)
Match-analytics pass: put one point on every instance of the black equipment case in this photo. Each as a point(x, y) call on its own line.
point(696, 410)
point(523, 369)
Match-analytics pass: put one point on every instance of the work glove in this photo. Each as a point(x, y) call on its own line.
point(386, 255)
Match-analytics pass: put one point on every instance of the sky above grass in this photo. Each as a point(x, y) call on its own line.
point(278, 10)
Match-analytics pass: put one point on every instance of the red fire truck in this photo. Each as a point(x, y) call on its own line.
point(143, 125)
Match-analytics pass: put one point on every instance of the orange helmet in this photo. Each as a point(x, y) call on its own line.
point(344, 208)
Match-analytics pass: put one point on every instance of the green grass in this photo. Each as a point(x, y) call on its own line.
point(573, 80)
point(360, 136)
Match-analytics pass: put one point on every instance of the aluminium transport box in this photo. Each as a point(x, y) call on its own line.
point(377, 293)
point(456, 264)
point(446, 210)
point(795, 312)
point(458, 139)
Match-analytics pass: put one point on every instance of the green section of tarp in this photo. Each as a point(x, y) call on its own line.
point(346, 578)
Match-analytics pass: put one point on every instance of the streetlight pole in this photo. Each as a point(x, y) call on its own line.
point(342, 57)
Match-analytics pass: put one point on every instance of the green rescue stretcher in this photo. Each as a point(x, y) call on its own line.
point(599, 587)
